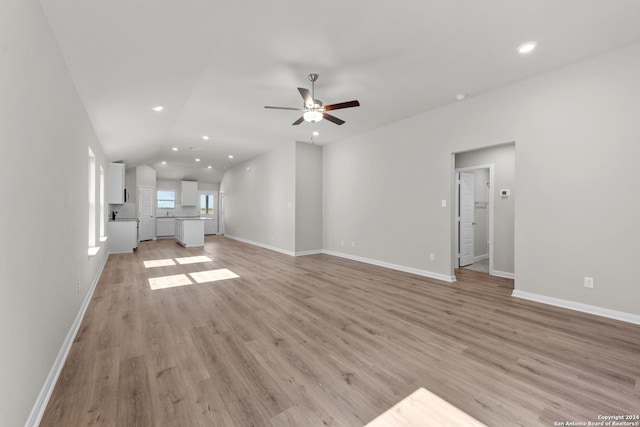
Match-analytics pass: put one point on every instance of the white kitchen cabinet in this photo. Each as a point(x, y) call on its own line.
point(116, 189)
point(123, 235)
point(165, 227)
point(189, 194)
point(190, 232)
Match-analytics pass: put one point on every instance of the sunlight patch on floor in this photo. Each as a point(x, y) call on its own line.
point(213, 275)
point(424, 409)
point(165, 282)
point(193, 259)
point(159, 263)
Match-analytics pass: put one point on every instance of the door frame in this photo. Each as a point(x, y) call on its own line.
point(221, 212)
point(456, 171)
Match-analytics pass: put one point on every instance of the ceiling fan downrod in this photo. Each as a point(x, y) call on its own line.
point(313, 77)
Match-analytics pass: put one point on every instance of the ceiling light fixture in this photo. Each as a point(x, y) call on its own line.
point(527, 47)
point(205, 137)
point(197, 160)
point(208, 167)
point(231, 156)
point(157, 108)
point(461, 96)
point(164, 163)
point(175, 148)
point(312, 116)
point(316, 133)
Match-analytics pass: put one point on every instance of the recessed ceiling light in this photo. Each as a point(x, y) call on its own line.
point(157, 108)
point(231, 156)
point(208, 167)
point(175, 148)
point(205, 137)
point(316, 133)
point(461, 96)
point(527, 47)
point(197, 160)
point(164, 163)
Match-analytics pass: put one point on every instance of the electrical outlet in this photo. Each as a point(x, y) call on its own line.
point(588, 282)
point(432, 257)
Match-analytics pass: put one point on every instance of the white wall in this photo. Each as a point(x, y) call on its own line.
point(503, 159)
point(576, 133)
point(259, 203)
point(44, 135)
point(308, 197)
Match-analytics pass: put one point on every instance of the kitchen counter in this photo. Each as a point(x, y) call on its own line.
point(123, 235)
point(190, 218)
point(190, 231)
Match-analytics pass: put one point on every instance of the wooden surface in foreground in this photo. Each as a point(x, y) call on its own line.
point(424, 409)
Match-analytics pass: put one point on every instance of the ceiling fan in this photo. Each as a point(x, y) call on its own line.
point(313, 109)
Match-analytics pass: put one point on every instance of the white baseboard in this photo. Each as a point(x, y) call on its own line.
point(504, 274)
point(480, 257)
point(572, 305)
point(45, 393)
point(262, 245)
point(412, 270)
point(312, 252)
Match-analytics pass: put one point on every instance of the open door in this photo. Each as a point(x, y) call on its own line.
point(466, 214)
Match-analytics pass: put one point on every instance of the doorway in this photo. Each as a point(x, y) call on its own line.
point(208, 210)
point(474, 218)
point(494, 181)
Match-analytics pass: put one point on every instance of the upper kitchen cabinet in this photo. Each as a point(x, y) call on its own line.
point(189, 195)
point(116, 189)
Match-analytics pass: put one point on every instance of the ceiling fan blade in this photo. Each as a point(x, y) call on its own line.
point(340, 105)
point(306, 95)
point(282, 108)
point(333, 119)
point(297, 122)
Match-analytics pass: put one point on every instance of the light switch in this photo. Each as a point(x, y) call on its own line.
point(444, 203)
point(505, 193)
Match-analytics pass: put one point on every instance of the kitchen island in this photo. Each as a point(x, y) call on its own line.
point(190, 231)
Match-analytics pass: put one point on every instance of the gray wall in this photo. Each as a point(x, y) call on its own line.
point(259, 203)
point(44, 134)
point(576, 133)
point(503, 159)
point(308, 197)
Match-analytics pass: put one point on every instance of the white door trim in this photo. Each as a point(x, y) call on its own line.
point(457, 210)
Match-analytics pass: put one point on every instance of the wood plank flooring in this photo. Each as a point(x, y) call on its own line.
point(323, 341)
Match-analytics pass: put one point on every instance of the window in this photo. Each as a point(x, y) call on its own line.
point(166, 199)
point(92, 204)
point(102, 224)
point(206, 204)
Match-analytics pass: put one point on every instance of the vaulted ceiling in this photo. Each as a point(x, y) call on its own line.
point(214, 65)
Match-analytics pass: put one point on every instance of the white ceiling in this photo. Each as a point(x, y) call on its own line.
point(214, 65)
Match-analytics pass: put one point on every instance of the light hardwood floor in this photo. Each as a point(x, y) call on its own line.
point(323, 341)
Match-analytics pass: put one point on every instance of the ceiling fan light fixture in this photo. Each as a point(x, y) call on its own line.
point(312, 116)
point(527, 47)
